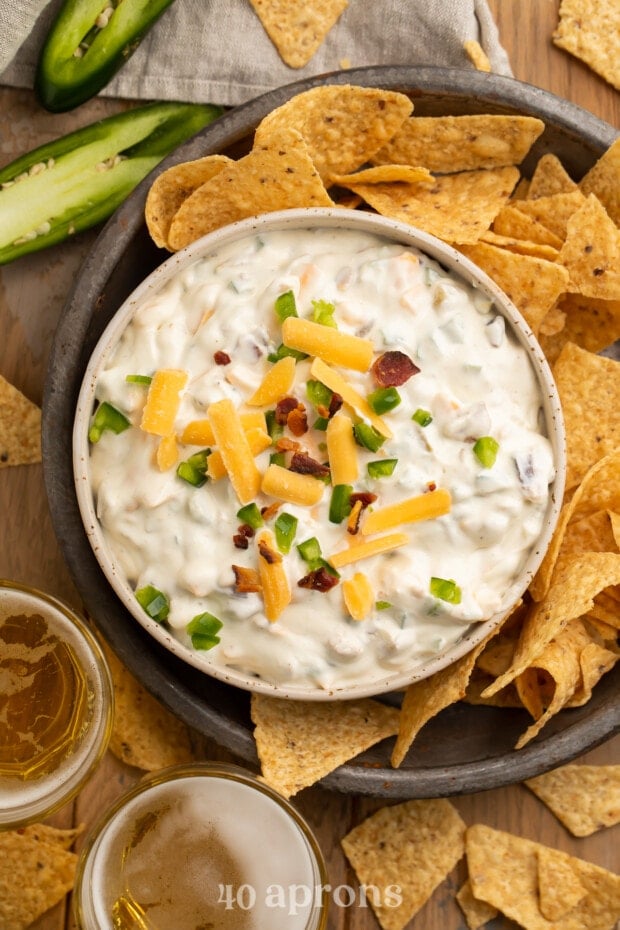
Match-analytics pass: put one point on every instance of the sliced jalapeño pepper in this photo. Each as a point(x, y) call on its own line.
point(89, 41)
point(340, 504)
point(77, 181)
point(154, 602)
point(203, 630)
point(107, 417)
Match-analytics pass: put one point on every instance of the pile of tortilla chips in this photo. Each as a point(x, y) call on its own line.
point(401, 853)
point(552, 243)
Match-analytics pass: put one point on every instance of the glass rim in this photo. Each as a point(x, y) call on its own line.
point(182, 772)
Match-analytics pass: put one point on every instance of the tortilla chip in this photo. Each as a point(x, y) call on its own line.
point(426, 698)
point(275, 175)
point(599, 490)
point(406, 173)
point(603, 179)
point(550, 177)
point(299, 742)
point(532, 284)
point(171, 188)
point(589, 323)
point(552, 678)
point(477, 55)
point(298, 28)
point(461, 143)
point(20, 427)
point(412, 847)
point(552, 212)
point(590, 30)
point(595, 661)
point(553, 322)
point(585, 798)
point(521, 246)
point(496, 658)
point(589, 389)
point(34, 876)
point(503, 870)
point(144, 733)
point(559, 888)
point(570, 596)
point(592, 533)
point(521, 190)
point(44, 833)
point(477, 913)
point(476, 689)
point(342, 125)
point(512, 222)
point(590, 252)
point(456, 207)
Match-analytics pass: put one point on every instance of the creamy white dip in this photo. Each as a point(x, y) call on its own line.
point(475, 380)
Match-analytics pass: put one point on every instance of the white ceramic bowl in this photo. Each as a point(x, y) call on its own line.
point(292, 219)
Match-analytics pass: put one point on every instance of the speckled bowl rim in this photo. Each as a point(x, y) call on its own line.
point(331, 218)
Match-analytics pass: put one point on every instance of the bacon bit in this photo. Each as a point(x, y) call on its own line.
point(318, 580)
point(284, 406)
point(304, 464)
point(365, 497)
point(284, 444)
point(335, 403)
point(297, 421)
point(353, 522)
point(246, 530)
point(240, 541)
point(270, 510)
point(359, 500)
point(267, 553)
point(221, 358)
point(431, 486)
point(393, 368)
point(246, 579)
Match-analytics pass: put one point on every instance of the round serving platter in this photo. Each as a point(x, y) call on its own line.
point(465, 748)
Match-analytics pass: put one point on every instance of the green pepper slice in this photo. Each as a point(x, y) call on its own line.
point(285, 527)
point(446, 589)
point(87, 45)
point(203, 630)
point(485, 450)
point(66, 186)
point(107, 417)
point(382, 468)
point(340, 504)
point(154, 602)
point(194, 469)
point(368, 436)
point(384, 399)
point(251, 515)
point(285, 306)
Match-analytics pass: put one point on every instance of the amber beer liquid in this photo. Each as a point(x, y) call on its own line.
point(201, 846)
point(55, 704)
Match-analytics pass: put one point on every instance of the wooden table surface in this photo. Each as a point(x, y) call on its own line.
point(32, 294)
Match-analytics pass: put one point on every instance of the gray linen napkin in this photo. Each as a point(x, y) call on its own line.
point(217, 50)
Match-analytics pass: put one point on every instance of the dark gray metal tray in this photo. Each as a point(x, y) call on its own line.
point(465, 748)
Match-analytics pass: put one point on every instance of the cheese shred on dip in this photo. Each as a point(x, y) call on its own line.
point(333, 460)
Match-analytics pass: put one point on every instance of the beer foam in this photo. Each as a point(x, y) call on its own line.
point(204, 849)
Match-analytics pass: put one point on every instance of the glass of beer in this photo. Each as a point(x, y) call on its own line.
point(56, 704)
point(201, 845)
